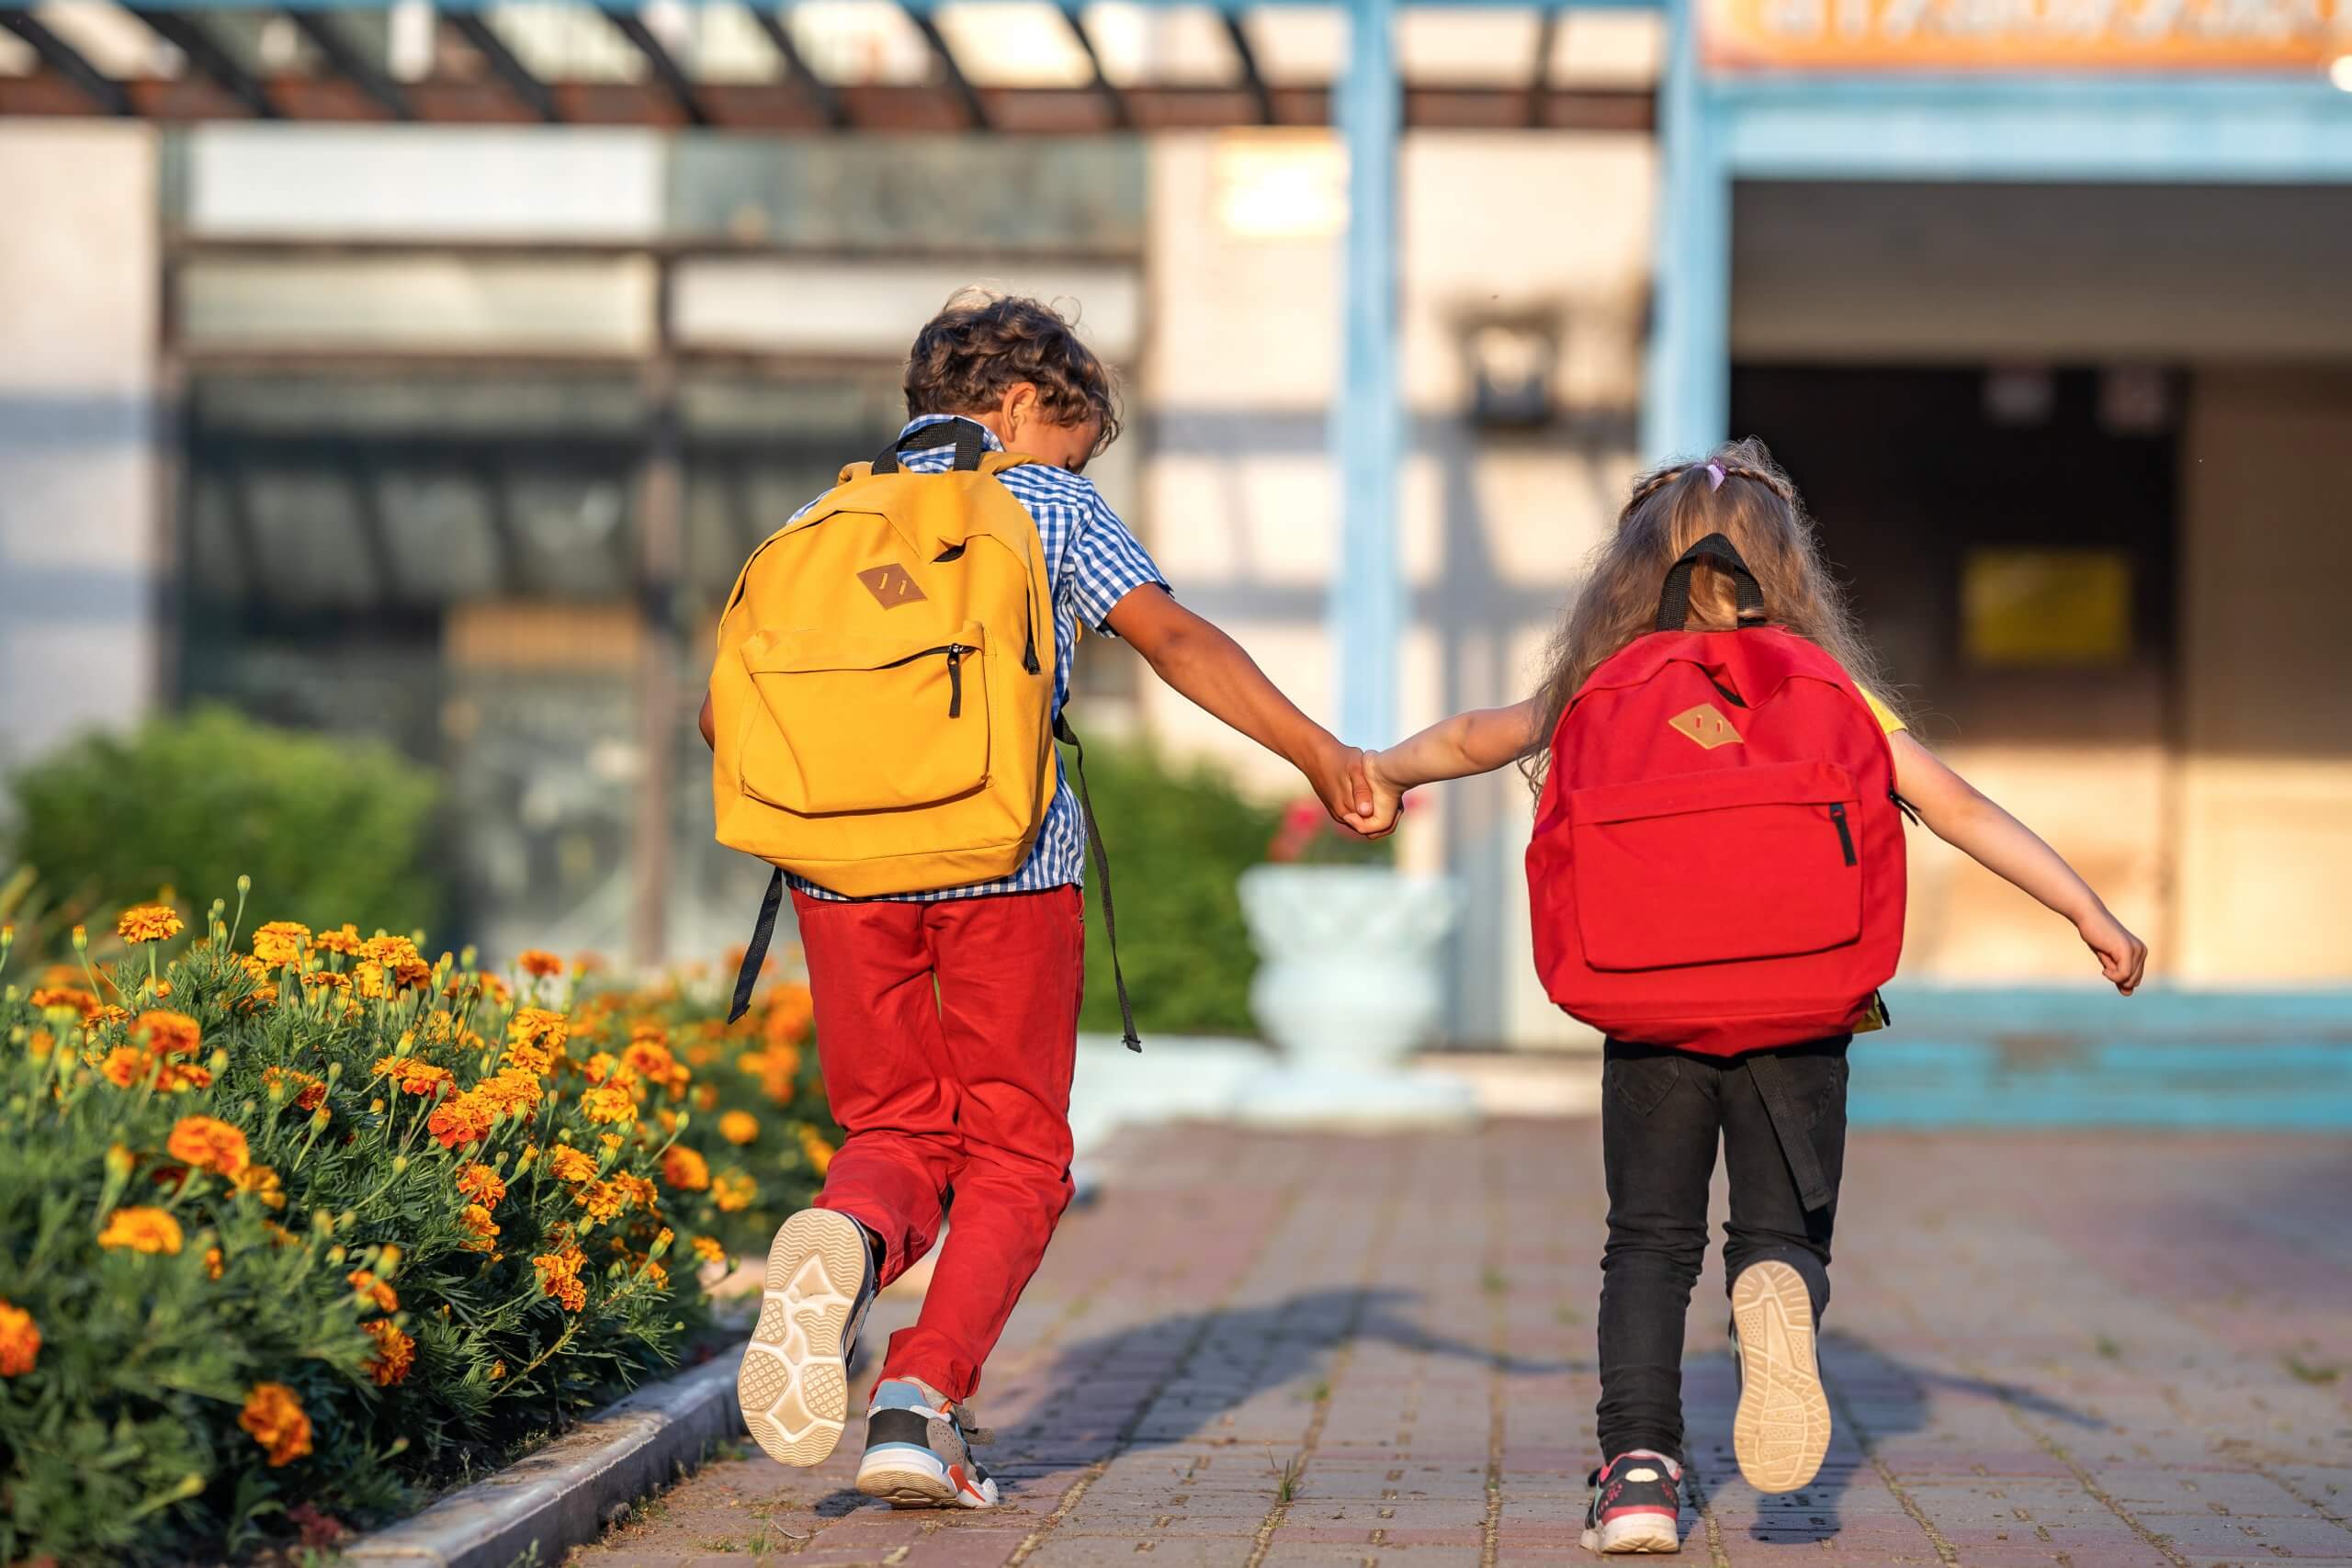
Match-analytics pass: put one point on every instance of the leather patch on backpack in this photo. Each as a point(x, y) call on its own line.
point(891, 585)
point(1706, 724)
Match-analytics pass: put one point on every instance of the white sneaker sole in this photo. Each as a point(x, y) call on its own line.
point(906, 1479)
point(1635, 1532)
point(1781, 1429)
point(794, 1382)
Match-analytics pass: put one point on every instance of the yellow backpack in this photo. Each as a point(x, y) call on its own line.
point(882, 704)
point(882, 701)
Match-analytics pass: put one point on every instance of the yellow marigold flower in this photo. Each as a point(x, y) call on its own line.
point(261, 1180)
point(214, 1263)
point(603, 1199)
point(482, 1184)
point(381, 1294)
point(169, 1034)
point(538, 962)
point(739, 1127)
point(148, 922)
point(707, 1248)
point(327, 981)
point(733, 1190)
point(609, 1142)
point(140, 1230)
point(65, 999)
point(512, 1088)
point(368, 980)
point(603, 1067)
point(208, 1144)
point(641, 1191)
point(344, 941)
point(609, 1103)
point(540, 1027)
point(20, 1340)
point(395, 1352)
point(559, 1277)
point(819, 1152)
point(571, 1164)
point(684, 1169)
point(274, 1418)
point(462, 1120)
point(412, 1076)
point(481, 1231)
point(281, 942)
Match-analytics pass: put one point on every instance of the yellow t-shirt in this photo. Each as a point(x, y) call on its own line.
point(1888, 719)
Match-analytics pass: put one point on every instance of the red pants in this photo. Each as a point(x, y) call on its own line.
point(947, 1033)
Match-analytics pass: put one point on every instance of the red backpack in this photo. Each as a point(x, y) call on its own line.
point(1718, 854)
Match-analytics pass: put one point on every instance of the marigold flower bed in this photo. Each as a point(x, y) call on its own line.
point(293, 1234)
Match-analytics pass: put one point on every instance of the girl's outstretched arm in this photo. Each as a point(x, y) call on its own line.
point(1479, 741)
point(1958, 814)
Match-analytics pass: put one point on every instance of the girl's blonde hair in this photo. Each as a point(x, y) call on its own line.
point(1671, 509)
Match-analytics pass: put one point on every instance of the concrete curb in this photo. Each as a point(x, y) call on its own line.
point(564, 1495)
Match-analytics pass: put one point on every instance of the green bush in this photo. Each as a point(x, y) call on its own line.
point(335, 828)
point(1180, 838)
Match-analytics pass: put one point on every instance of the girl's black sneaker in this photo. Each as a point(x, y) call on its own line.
point(1637, 1505)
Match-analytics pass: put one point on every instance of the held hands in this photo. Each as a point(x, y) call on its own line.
point(1337, 771)
point(2122, 957)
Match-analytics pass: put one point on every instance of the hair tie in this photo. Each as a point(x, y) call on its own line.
point(1714, 477)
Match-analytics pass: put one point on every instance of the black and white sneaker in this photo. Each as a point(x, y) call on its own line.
point(794, 1382)
point(1637, 1505)
point(1780, 1431)
point(919, 1452)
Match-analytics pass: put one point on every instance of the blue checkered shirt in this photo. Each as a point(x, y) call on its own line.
point(1094, 562)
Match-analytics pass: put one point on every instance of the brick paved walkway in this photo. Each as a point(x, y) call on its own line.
point(1324, 1352)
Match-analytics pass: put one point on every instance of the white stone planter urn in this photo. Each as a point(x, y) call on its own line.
point(1349, 955)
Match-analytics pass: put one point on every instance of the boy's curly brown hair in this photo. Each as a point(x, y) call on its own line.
point(982, 343)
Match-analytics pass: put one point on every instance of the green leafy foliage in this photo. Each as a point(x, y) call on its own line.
point(332, 826)
point(1179, 838)
point(291, 1236)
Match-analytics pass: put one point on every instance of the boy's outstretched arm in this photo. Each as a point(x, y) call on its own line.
point(1205, 665)
point(1958, 814)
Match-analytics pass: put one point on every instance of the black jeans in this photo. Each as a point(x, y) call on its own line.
point(1661, 1112)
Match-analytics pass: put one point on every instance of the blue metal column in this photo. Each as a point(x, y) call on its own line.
point(1686, 392)
point(1367, 610)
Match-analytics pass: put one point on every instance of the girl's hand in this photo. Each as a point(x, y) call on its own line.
point(1387, 799)
point(2122, 957)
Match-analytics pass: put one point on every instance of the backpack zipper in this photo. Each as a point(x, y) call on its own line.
point(1845, 834)
point(954, 652)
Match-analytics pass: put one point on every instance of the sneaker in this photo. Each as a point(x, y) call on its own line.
point(794, 1382)
point(1636, 1506)
point(1780, 1431)
point(919, 1452)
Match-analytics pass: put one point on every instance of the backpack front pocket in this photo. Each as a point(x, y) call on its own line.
point(1715, 867)
point(847, 723)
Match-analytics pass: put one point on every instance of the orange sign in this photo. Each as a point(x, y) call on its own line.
point(1873, 36)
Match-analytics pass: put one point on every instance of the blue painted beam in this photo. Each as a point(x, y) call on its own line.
point(1367, 610)
point(1686, 385)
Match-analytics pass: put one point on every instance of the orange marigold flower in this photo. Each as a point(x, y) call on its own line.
point(733, 1190)
point(610, 1142)
point(610, 1103)
point(655, 1272)
point(537, 1026)
point(125, 1065)
point(481, 1231)
point(65, 999)
point(39, 1043)
point(368, 980)
point(684, 1169)
point(279, 1235)
point(169, 1034)
point(327, 981)
point(819, 1152)
point(412, 1076)
point(559, 1275)
point(641, 1191)
point(538, 962)
point(261, 1180)
point(148, 922)
point(140, 1230)
point(344, 941)
point(208, 1144)
point(512, 1088)
point(395, 1352)
point(707, 1248)
point(465, 1119)
point(308, 1091)
point(497, 1371)
point(376, 1291)
point(603, 1199)
point(739, 1127)
point(602, 1067)
point(107, 1015)
point(778, 1070)
point(281, 942)
point(20, 1340)
point(214, 1263)
point(571, 1164)
point(482, 1184)
point(274, 1418)
point(178, 1078)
